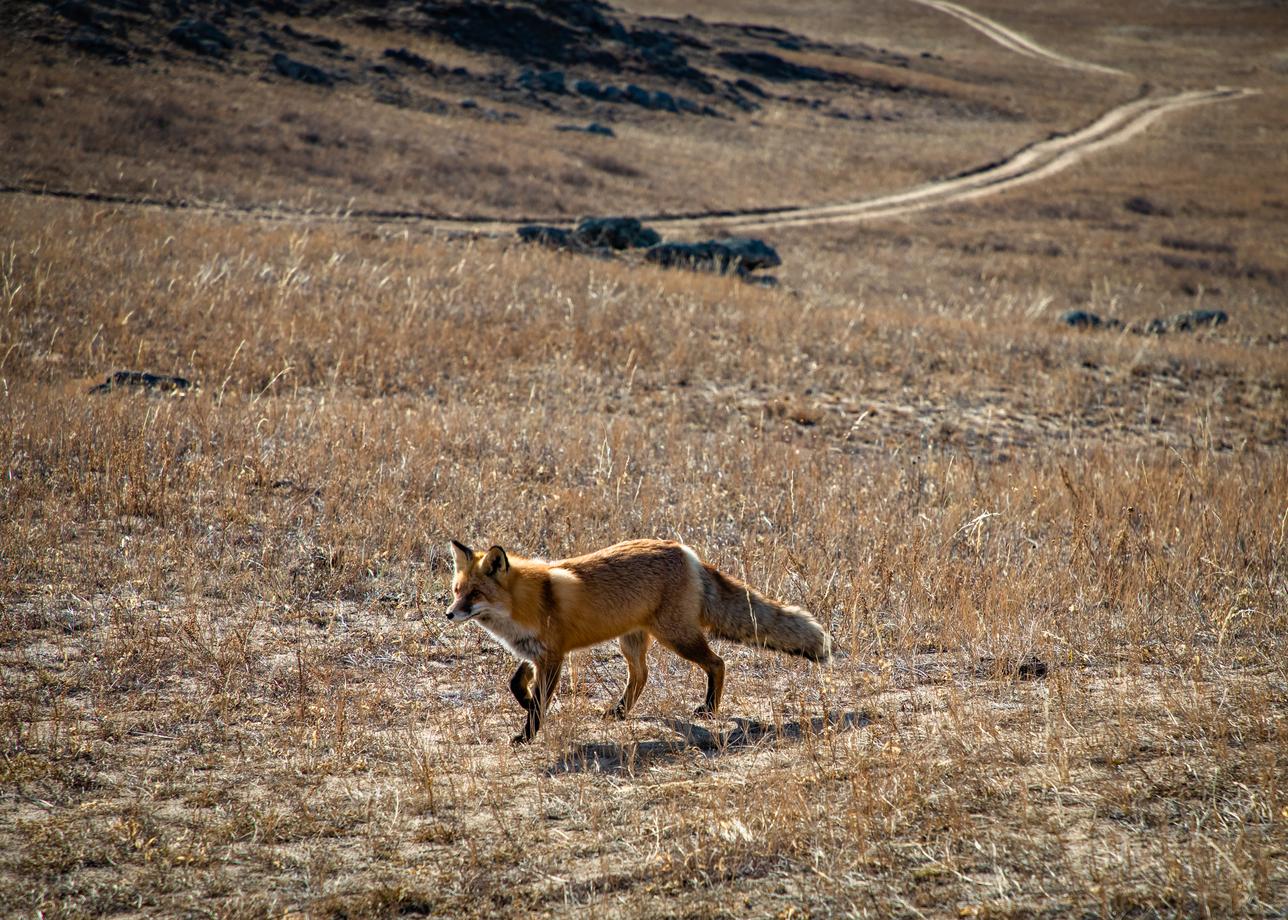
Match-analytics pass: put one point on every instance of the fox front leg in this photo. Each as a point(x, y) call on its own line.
point(544, 686)
point(521, 684)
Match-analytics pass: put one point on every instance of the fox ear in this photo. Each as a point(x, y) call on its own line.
point(495, 562)
point(462, 555)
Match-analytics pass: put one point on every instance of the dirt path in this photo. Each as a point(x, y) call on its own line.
point(1031, 163)
point(1009, 38)
point(1038, 161)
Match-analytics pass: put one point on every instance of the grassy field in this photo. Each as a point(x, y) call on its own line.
point(1055, 561)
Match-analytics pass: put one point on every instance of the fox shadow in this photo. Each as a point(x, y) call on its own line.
point(611, 757)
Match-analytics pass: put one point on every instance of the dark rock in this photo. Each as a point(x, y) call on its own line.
point(664, 102)
point(593, 128)
point(615, 233)
point(639, 96)
point(612, 94)
point(298, 70)
point(1188, 322)
point(411, 59)
point(1085, 319)
point(560, 32)
point(588, 88)
point(1081, 319)
point(771, 66)
point(143, 380)
point(1139, 204)
point(91, 41)
point(555, 237)
point(202, 37)
point(319, 41)
point(748, 87)
point(741, 101)
point(548, 81)
point(1030, 667)
point(77, 11)
point(736, 254)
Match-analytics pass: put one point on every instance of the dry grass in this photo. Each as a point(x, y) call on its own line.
point(225, 685)
point(218, 697)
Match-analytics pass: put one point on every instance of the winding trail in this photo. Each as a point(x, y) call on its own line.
point(1009, 38)
point(1031, 163)
point(1037, 161)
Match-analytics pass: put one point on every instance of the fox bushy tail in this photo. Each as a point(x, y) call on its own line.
point(734, 611)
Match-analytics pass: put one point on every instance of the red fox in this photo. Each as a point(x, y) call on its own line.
point(632, 592)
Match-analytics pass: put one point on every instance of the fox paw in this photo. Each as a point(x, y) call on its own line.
point(704, 712)
point(615, 713)
point(521, 738)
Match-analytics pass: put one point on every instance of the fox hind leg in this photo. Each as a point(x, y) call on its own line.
point(693, 647)
point(634, 647)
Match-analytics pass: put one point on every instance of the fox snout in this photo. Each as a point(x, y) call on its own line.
point(460, 614)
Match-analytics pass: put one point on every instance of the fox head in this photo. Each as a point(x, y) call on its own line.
point(478, 585)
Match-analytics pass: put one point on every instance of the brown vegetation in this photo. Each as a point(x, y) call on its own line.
point(1055, 560)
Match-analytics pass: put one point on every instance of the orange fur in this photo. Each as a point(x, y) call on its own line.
point(634, 592)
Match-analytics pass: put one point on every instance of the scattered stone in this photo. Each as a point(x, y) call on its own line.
point(298, 70)
point(1187, 322)
point(1139, 204)
point(1081, 319)
point(615, 233)
point(603, 235)
point(664, 102)
point(734, 254)
point(593, 128)
point(1180, 322)
point(554, 237)
point(1030, 667)
point(588, 88)
point(144, 380)
point(202, 37)
point(548, 81)
point(772, 67)
point(411, 59)
point(89, 40)
point(330, 44)
point(639, 96)
point(76, 11)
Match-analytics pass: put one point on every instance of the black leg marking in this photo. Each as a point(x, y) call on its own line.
point(521, 684)
point(547, 681)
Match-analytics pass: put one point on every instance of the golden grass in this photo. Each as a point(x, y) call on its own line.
point(220, 695)
point(225, 685)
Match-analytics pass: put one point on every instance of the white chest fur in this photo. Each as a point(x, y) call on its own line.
point(518, 640)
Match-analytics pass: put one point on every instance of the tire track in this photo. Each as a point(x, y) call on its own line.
point(1037, 161)
point(1031, 163)
point(1009, 38)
